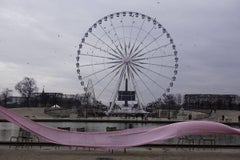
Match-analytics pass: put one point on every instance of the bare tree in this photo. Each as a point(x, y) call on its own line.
point(170, 101)
point(26, 88)
point(5, 94)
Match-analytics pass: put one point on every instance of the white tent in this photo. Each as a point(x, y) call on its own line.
point(55, 106)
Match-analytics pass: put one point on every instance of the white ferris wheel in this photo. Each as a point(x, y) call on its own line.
point(130, 58)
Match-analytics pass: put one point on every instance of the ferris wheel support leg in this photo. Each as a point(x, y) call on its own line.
point(116, 92)
point(140, 106)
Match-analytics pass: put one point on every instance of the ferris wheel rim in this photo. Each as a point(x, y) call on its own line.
point(118, 57)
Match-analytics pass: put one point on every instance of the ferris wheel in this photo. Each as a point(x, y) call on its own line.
point(130, 58)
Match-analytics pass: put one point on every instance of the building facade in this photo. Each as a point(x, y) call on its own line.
point(211, 101)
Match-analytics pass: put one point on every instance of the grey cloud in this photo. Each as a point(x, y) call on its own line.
point(39, 39)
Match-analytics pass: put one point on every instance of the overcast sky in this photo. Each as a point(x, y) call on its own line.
point(38, 39)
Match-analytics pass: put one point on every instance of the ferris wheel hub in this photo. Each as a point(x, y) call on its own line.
point(126, 60)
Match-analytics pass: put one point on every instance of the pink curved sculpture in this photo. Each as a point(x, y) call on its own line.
point(117, 139)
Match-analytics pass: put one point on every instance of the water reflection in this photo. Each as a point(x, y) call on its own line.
point(8, 129)
point(98, 126)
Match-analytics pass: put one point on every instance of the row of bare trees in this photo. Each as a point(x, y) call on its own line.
point(28, 89)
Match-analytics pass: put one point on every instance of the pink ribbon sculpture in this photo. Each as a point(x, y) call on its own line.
point(117, 139)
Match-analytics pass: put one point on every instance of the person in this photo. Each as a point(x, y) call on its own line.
point(223, 117)
point(190, 116)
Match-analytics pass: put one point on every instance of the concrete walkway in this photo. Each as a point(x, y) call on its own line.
point(64, 153)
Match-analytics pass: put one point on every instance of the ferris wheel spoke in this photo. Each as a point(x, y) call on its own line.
point(154, 39)
point(108, 84)
point(102, 50)
point(106, 44)
point(160, 65)
point(129, 44)
point(138, 93)
point(152, 57)
point(114, 93)
point(123, 33)
point(94, 73)
point(130, 53)
point(95, 64)
point(137, 37)
point(111, 40)
point(149, 51)
point(119, 43)
point(105, 76)
point(128, 70)
point(151, 79)
point(96, 56)
point(141, 43)
point(134, 70)
point(159, 74)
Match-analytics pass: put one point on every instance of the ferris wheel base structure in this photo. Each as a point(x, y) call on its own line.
point(127, 110)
